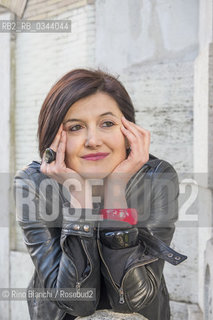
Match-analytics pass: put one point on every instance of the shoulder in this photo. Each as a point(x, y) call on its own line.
point(30, 172)
point(157, 166)
point(162, 174)
point(155, 170)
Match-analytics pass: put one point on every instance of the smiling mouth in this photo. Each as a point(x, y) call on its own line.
point(95, 158)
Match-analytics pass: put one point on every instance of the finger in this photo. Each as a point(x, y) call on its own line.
point(146, 134)
point(132, 138)
point(55, 143)
point(139, 148)
point(128, 125)
point(60, 154)
point(127, 122)
point(43, 167)
point(147, 140)
point(139, 143)
point(142, 131)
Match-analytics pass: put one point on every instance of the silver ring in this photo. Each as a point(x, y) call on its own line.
point(49, 155)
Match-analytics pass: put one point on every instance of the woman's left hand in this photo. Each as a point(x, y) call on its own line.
point(139, 142)
point(115, 183)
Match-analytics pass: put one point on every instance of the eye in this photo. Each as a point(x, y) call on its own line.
point(75, 128)
point(108, 124)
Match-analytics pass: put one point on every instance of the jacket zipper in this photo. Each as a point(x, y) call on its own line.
point(79, 283)
point(77, 280)
point(151, 272)
point(113, 282)
point(121, 296)
point(140, 264)
point(76, 272)
point(120, 290)
point(124, 277)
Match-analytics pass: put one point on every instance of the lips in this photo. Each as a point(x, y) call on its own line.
point(95, 156)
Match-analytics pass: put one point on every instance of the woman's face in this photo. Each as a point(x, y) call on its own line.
point(93, 126)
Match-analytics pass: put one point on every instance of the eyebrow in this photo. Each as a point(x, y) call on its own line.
point(101, 115)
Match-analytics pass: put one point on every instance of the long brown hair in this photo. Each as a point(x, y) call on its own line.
point(75, 85)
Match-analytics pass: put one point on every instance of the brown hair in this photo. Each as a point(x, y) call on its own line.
point(75, 85)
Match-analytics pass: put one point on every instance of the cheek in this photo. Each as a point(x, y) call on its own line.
point(119, 147)
point(119, 140)
point(72, 146)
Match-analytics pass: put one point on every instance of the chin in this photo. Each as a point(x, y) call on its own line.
point(94, 175)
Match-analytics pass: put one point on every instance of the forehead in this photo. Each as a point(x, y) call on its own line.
point(93, 106)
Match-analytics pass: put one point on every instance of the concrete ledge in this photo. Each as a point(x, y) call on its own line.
point(194, 312)
point(110, 315)
point(178, 310)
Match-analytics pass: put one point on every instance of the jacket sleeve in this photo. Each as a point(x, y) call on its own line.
point(158, 215)
point(159, 211)
point(155, 194)
point(57, 249)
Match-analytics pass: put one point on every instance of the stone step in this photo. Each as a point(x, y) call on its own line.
point(110, 315)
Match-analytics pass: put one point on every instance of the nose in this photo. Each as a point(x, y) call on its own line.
point(93, 139)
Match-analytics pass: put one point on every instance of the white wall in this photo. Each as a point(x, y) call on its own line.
point(4, 164)
point(153, 46)
point(203, 151)
point(137, 32)
point(41, 59)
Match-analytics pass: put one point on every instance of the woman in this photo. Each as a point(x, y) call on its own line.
point(91, 147)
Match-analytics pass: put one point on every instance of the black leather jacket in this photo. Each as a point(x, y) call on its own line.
point(125, 280)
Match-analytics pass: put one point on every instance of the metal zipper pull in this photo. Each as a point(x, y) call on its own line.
point(78, 285)
point(98, 231)
point(121, 293)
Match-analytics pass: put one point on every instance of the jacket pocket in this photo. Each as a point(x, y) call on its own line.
point(85, 261)
point(91, 277)
point(84, 256)
point(124, 276)
point(72, 246)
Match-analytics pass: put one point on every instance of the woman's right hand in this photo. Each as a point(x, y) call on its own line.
point(59, 171)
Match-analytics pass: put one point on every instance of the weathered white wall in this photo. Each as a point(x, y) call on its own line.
point(163, 97)
point(145, 31)
point(203, 152)
point(41, 59)
point(153, 45)
point(4, 164)
point(21, 271)
point(205, 23)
